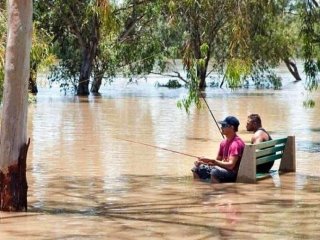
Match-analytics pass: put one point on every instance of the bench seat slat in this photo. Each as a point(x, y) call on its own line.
point(268, 151)
point(269, 158)
point(271, 143)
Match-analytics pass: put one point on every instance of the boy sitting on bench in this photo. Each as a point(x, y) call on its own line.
point(254, 125)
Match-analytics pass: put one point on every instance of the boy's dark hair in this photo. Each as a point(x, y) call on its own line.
point(255, 118)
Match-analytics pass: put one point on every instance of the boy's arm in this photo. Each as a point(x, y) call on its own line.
point(209, 161)
point(230, 164)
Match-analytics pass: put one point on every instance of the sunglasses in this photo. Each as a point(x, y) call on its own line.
point(225, 125)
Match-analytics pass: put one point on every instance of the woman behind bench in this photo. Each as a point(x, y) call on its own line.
point(254, 125)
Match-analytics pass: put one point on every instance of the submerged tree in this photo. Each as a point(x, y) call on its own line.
point(14, 145)
point(203, 31)
point(240, 40)
point(310, 32)
point(76, 27)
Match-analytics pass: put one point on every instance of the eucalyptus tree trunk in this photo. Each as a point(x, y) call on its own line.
point(292, 67)
point(202, 73)
point(89, 53)
point(85, 71)
point(14, 146)
point(196, 45)
point(97, 81)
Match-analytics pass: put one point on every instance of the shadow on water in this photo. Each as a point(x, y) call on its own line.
point(168, 206)
point(177, 201)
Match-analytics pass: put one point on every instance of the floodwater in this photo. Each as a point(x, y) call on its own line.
point(117, 167)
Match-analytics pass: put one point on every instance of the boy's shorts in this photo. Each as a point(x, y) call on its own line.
point(205, 171)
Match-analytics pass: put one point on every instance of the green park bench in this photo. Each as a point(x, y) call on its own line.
point(282, 149)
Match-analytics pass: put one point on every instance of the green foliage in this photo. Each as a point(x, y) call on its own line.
point(237, 70)
point(309, 103)
point(265, 79)
point(310, 33)
point(144, 39)
point(66, 72)
point(32, 98)
point(172, 83)
point(241, 40)
point(77, 28)
point(193, 96)
point(204, 49)
point(41, 55)
point(267, 36)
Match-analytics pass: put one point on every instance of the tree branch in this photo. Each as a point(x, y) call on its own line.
point(315, 3)
point(75, 28)
point(129, 29)
point(137, 3)
point(178, 75)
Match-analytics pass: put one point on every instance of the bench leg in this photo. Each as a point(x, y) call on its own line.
point(288, 161)
point(247, 168)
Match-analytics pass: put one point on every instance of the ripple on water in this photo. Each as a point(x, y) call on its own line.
point(309, 146)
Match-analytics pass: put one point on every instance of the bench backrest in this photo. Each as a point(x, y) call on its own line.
point(270, 151)
point(256, 154)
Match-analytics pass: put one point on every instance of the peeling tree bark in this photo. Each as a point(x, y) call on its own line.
point(13, 136)
point(13, 184)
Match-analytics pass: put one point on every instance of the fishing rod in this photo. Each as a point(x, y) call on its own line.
point(149, 145)
point(211, 114)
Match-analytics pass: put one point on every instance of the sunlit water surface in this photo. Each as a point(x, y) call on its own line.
point(102, 168)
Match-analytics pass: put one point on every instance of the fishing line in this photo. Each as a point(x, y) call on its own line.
point(212, 114)
point(149, 145)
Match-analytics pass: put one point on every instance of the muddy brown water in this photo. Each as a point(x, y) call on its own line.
point(91, 178)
